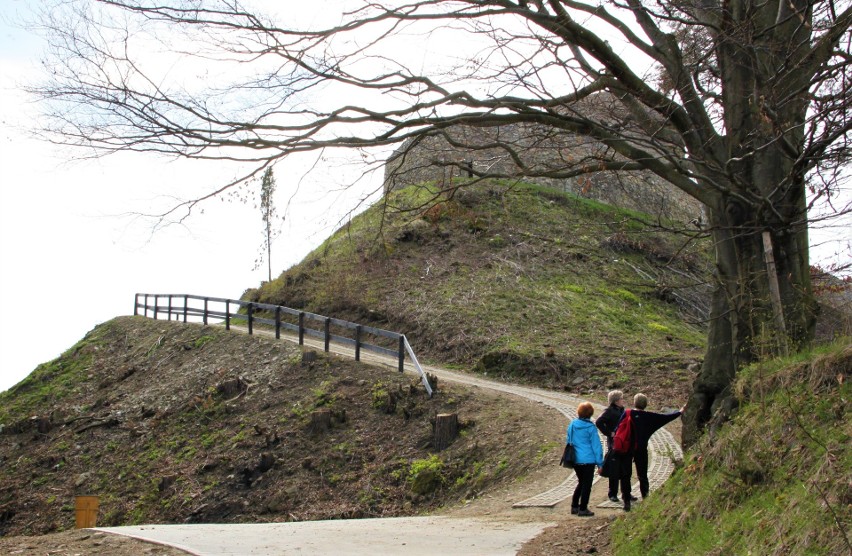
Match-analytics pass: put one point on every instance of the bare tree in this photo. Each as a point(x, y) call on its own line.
point(269, 216)
point(743, 105)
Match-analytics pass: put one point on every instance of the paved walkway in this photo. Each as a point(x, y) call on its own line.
point(412, 536)
point(663, 449)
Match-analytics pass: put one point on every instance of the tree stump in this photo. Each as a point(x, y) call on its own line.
point(166, 482)
point(320, 421)
point(308, 357)
point(267, 460)
point(446, 429)
point(389, 403)
point(232, 388)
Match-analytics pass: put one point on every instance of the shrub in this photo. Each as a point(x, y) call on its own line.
point(424, 475)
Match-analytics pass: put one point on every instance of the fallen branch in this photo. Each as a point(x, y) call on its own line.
point(112, 422)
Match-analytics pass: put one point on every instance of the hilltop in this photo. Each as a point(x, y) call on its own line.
point(539, 154)
point(518, 282)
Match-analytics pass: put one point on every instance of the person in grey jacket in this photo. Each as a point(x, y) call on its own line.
point(583, 434)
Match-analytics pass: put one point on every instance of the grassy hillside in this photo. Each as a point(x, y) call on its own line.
point(517, 282)
point(172, 423)
point(776, 480)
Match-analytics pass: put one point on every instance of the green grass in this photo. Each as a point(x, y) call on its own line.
point(425, 475)
point(774, 480)
point(52, 381)
point(505, 268)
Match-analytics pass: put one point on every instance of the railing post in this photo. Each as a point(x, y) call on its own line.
point(205, 310)
point(301, 328)
point(146, 305)
point(357, 342)
point(156, 306)
point(136, 305)
point(250, 317)
point(185, 303)
point(170, 306)
point(401, 353)
point(327, 332)
point(227, 314)
point(278, 322)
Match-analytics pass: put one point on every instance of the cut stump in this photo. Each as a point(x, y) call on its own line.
point(446, 429)
point(320, 421)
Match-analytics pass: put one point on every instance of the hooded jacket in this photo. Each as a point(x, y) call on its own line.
point(583, 434)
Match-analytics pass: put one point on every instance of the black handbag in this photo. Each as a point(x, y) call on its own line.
point(569, 457)
point(608, 462)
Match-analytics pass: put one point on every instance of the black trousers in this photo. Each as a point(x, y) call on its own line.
point(585, 477)
point(624, 466)
point(615, 468)
point(641, 459)
point(611, 467)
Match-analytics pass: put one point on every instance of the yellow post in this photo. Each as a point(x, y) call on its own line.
point(86, 508)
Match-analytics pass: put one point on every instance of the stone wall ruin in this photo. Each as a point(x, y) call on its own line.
point(536, 154)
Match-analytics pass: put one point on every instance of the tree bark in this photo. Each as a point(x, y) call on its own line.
point(743, 326)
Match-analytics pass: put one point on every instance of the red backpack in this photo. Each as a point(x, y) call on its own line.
point(622, 440)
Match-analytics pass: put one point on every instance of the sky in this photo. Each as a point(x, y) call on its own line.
point(72, 255)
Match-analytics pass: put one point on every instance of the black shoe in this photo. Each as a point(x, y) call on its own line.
point(574, 510)
point(585, 513)
point(634, 499)
point(614, 499)
point(627, 507)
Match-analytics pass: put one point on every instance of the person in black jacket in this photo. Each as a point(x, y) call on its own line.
point(606, 423)
point(645, 424)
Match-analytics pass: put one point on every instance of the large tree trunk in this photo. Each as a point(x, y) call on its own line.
point(743, 328)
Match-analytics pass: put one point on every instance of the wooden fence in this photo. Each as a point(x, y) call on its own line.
point(183, 307)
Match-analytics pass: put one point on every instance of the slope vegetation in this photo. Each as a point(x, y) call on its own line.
point(517, 282)
point(776, 480)
point(171, 423)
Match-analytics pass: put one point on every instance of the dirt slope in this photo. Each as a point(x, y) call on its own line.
point(172, 423)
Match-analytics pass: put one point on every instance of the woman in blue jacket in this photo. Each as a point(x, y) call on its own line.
point(583, 434)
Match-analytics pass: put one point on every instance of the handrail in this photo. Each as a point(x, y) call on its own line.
point(205, 312)
point(417, 366)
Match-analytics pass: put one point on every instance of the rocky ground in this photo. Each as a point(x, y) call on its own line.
point(83, 542)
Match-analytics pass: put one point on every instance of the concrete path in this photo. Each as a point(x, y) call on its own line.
point(663, 449)
point(415, 536)
point(447, 536)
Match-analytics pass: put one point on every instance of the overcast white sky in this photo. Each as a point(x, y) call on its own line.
point(69, 259)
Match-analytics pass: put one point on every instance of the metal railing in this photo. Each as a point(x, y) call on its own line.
point(184, 307)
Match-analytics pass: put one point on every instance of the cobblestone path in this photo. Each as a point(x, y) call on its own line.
point(663, 449)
